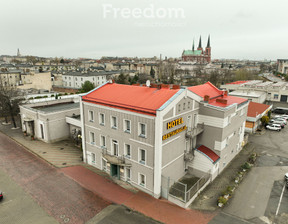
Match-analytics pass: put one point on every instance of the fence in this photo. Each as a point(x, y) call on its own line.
point(179, 190)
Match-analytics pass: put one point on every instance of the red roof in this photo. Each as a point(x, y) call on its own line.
point(236, 82)
point(206, 89)
point(229, 101)
point(216, 95)
point(255, 109)
point(208, 153)
point(133, 98)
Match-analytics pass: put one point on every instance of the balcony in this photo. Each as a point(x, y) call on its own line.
point(114, 159)
point(194, 131)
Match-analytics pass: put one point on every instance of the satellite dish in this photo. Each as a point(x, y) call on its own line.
point(148, 83)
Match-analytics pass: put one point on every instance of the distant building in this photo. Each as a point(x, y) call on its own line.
point(199, 56)
point(275, 92)
point(282, 66)
point(254, 114)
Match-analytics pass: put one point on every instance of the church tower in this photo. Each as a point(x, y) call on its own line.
point(18, 53)
point(208, 50)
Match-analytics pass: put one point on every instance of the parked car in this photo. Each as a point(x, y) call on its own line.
point(273, 127)
point(286, 176)
point(283, 116)
point(1, 195)
point(280, 119)
point(280, 110)
point(281, 123)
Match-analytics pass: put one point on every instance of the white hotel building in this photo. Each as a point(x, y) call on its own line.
point(146, 135)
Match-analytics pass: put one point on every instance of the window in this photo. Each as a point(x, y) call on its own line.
point(142, 130)
point(93, 157)
point(127, 126)
point(104, 164)
point(92, 138)
point(142, 180)
point(114, 147)
point(179, 108)
point(128, 151)
point(103, 141)
point(102, 119)
point(189, 104)
point(91, 116)
point(183, 106)
point(276, 96)
point(142, 156)
point(114, 122)
point(128, 174)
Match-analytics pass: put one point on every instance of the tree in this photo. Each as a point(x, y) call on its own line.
point(264, 120)
point(62, 61)
point(10, 98)
point(152, 72)
point(86, 87)
point(122, 79)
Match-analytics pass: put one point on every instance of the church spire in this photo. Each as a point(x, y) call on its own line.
point(200, 44)
point(193, 45)
point(208, 43)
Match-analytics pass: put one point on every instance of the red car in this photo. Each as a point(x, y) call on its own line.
point(1, 195)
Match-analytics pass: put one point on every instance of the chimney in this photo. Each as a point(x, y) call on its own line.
point(176, 87)
point(224, 101)
point(206, 98)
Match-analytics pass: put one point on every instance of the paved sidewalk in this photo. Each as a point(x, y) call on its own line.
point(160, 210)
point(59, 154)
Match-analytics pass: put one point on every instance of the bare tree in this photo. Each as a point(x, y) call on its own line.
point(10, 98)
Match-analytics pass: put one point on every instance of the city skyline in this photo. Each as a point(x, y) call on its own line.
point(71, 29)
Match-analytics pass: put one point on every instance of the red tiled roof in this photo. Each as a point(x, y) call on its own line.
point(229, 101)
point(138, 99)
point(208, 153)
point(256, 108)
point(206, 89)
point(215, 95)
point(236, 82)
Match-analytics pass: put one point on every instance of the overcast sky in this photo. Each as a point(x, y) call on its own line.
point(240, 29)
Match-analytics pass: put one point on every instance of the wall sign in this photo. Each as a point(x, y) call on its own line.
point(174, 123)
point(175, 132)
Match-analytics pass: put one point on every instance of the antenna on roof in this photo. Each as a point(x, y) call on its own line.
point(148, 83)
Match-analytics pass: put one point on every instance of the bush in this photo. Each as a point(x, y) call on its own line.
point(65, 94)
point(222, 200)
point(52, 95)
point(246, 166)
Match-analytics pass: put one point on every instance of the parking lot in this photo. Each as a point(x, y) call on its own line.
point(262, 194)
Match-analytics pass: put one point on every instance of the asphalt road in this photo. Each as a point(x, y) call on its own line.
point(259, 195)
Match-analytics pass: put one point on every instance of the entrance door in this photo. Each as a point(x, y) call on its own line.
point(114, 170)
point(283, 98)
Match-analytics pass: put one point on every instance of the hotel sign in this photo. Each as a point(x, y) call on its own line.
point(172, 124)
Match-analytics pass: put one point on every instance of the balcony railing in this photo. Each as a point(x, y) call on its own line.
point(114, 159)
point(194, 131)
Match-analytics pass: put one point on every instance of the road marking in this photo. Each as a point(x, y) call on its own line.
point(280, 200)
